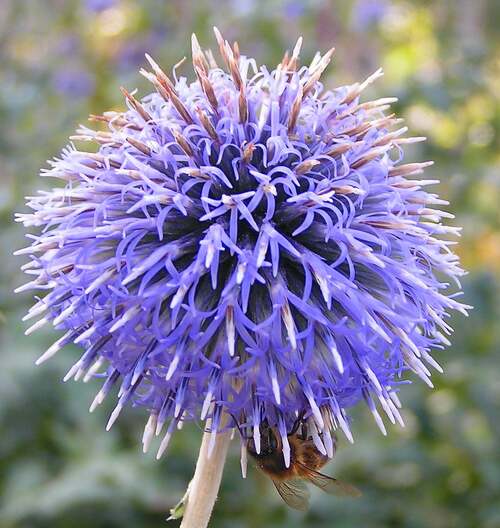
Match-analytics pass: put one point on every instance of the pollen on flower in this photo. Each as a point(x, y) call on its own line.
point(247, 244)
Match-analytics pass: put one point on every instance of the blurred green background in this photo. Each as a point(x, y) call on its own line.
point(59, 61)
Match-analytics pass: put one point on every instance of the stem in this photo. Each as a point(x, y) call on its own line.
point(206, 481)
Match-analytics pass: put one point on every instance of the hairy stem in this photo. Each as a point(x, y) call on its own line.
point(206, 481)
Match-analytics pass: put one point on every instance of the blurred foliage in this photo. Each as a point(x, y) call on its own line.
point(59, 61)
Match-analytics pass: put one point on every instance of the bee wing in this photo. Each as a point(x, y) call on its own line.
point(294, 493)
point(329, 485)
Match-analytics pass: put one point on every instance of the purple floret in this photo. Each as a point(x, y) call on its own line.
point(246, 245)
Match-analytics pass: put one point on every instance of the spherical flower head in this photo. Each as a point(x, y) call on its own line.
point(247, 249)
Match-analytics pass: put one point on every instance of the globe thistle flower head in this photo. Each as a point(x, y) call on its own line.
point(245, 249)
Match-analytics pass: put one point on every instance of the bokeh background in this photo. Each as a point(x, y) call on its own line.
point(61, 60)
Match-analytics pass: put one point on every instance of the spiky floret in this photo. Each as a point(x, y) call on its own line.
point(246, 244)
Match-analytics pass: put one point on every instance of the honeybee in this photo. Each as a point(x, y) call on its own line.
point(305, 463)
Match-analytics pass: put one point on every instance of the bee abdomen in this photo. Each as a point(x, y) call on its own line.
point(311, 457)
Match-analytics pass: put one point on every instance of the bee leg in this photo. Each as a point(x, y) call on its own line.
point(296, 424)
point(236, 423)
point(305, 432)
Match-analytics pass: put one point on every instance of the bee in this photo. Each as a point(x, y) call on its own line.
point(305, 463)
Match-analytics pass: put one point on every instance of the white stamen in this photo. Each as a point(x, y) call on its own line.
point(159, 427)
point(210, 255)
point(286, 450)
point(263, 245)
point(373, 410)
point(27, 286)
point(373, 378)
point(432, 361)
point(114, 416)
point(336, 356)
point(244, 460)
point(164, 444)
point(101, 279)
point(378, 420)
point(256, 438)
point(395, 399)
point(240, 272)
point(36, 326)
point(126, 317)
point(315, 410)
point(315, 436)
point(99, 398)
point(296, 49)
point(387, 408)
point(417, 366)
point(85, 335)
point(286, 315)
point(230, 330)
point(72, 371)
point(67, 312)
point(179, 296)
point(328, 443)
point(51, 351)
point(93, 370)
point(173, 366)
point(396, 413)
point(79, 374)
point(323, 286)
point(345, 428)
point(35, 310)
point(443, 340)
point(275, 384)
point(149, 430)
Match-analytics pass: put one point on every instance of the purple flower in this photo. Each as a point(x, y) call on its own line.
point(248, 244)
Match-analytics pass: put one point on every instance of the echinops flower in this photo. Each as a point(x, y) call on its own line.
point(246, 249)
